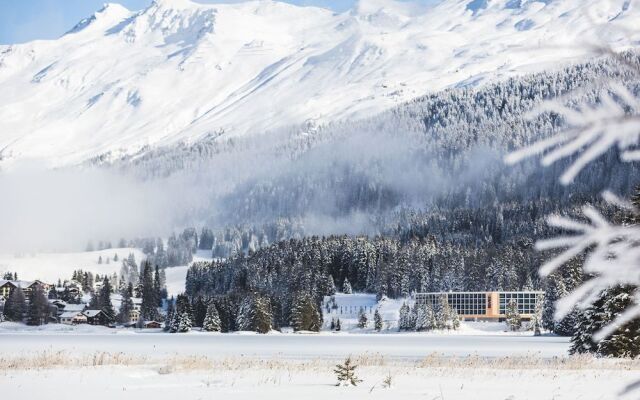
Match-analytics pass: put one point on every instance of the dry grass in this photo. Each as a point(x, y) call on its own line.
point(436, 362)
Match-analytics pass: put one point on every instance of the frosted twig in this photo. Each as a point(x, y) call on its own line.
point(592, 131)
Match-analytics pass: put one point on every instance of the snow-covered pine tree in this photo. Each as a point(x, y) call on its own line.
point(441, 313)
point(362, 319)
point(168, 322)
point(199, 307)
point(263, 317)
point(403, 317)
point(305, 315)
point(513, 318)
point(157, 287)
point(16, 305)
point(536, 322)
point(212, 319)
point(126, 305)
point(625, 341)
point(254, 314)
point(338, 325)
point(377, 321)
point(346, 374)
point(454, 318)
point(182, 321)
point(149, 306)
point(104, 299)
point(38, 313)
point(425, 318)
point(330, 286)
point(346, 287)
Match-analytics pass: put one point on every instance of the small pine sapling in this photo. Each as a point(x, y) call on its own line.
point(346, 374)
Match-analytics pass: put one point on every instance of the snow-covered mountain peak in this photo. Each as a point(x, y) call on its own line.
point(109, 14)
point(181, 71)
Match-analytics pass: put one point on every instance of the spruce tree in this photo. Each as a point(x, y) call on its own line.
point(199, 307)
point(182, 321)
point(105, 300)
point(305, 315)
point(625, 341)
point(168, 322)
point(362, 319)
point(212, 319)
point(149, 306)
point(16, 305)
point(425, 319)
point(377, 321)
point(263, 317)
point(330, 286)
point(338, 325)
point(514, 320)
point(404, 318)
point(126, 305)
point(157, 287)
point(38, 313)
point(346, 287)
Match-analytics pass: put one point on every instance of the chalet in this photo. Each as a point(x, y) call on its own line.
point(73, 318)
point(5, 288)
point(26, 286)
point(97, 317)
point(152, 325)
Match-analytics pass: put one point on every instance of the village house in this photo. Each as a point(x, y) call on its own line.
point(26, 286)
point(73, 318)
point(97, 317)
point(134, 316)
point(152, 325)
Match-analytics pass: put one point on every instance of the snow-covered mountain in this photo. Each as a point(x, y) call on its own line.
point(183, 71)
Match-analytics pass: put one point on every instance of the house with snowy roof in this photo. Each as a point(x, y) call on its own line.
point(97, 317)
point(73, 318)
point(27, 286)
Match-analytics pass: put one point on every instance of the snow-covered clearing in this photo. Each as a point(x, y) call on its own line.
point(124, 363)
point(192, 375)
point(49, 267)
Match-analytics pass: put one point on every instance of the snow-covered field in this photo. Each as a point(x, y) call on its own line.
point(49, 267)
point(203, 366)
point(87, 340)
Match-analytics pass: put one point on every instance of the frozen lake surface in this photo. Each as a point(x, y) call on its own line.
point(397, 346)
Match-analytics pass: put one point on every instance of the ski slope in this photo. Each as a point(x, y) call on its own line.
point(123, 81)
point(49, 267)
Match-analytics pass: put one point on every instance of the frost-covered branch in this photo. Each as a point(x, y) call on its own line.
point(613, 259)
point(592, 131)
point(612, 250)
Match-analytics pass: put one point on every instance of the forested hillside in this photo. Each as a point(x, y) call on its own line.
point(458, 220)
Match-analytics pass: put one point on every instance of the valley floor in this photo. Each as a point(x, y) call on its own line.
point(244, 366)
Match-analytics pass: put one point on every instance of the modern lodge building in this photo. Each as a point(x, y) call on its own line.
point(485, 305)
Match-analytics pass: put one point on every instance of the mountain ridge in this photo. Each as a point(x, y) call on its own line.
point(178, 71)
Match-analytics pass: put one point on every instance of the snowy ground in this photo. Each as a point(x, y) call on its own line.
point(242, 366)
point(87, 340)
point(49, 267)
